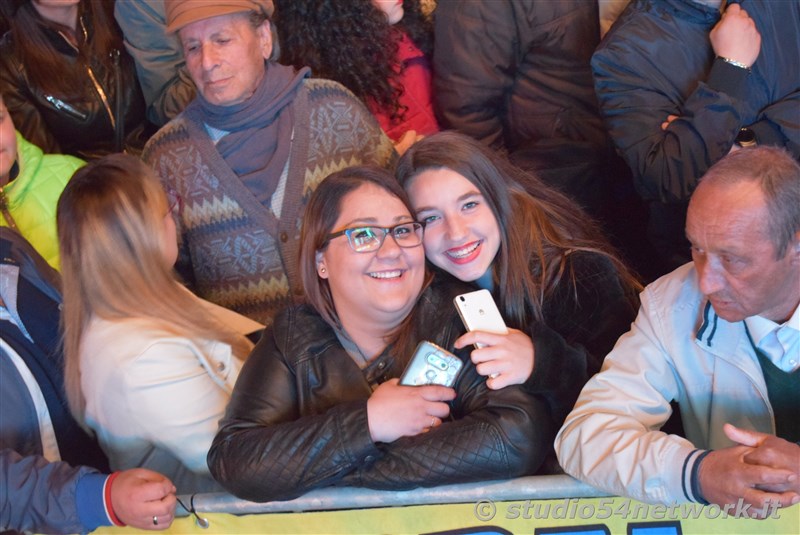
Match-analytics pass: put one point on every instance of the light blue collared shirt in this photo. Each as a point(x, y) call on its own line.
point(781, 343)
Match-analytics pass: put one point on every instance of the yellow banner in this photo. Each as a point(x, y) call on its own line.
point(567, 516)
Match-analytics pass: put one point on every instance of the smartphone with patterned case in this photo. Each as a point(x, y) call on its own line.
point(431, 365)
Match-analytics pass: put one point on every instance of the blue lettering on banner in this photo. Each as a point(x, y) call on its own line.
point(477, 530)
point(655, 528)
point(593, 529)
point(635, 528)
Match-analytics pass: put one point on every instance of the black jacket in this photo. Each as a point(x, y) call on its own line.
point(582, 322)
point(515, 75)
point(108, 117)
point(297, 419)
point(657, 61)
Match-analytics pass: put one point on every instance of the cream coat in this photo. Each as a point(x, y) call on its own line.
point(154, 399)
point(678, 349)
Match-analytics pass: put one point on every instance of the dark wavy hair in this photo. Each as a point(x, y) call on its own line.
point(352, 43)
point(97, 36)
point(537, 230)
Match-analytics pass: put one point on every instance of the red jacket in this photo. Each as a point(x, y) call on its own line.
point(417, 95)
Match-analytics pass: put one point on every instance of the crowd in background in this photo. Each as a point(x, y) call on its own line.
point(225, 228)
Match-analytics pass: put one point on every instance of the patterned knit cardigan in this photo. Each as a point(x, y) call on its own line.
point(234, 251)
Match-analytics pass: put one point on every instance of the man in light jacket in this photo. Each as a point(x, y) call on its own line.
point(718, 336)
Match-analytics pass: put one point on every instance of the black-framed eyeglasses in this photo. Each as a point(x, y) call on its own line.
point(370, 239)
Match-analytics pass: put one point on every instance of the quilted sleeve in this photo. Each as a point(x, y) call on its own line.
point(493, 434)
point(267, 448)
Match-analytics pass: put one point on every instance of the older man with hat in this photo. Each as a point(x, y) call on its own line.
point(248, 151)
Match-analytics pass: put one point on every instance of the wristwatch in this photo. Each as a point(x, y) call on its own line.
point(746, 138)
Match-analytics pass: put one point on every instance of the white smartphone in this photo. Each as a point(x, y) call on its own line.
point(431, 365)
point(479, 312)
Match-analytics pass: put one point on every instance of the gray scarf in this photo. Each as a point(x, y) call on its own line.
point(260, 128)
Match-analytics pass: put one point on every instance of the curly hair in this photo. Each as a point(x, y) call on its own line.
point(352, 43)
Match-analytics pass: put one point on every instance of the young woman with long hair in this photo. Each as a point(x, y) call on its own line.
point(378, 49)
point(555, 278)
point(318, 402)
point(69, 84)
point(149, 366)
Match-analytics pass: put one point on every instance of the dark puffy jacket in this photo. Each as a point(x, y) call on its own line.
point(88, 127)
point(584, 316)
point(657, 61)
point(31, 296)
point(515, 74)
point(297, 419)
point(49, 497)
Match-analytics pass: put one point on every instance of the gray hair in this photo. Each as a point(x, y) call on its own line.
point(257, 18)
point(778, 174)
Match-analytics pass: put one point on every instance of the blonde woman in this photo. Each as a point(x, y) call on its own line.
point(149, 366)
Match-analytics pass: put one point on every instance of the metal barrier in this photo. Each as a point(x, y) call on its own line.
point(540, 504)
point(337, 498)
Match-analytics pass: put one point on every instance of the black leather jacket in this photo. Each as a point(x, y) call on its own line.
point(515, 74)
point(297, 419)
point(107, 118)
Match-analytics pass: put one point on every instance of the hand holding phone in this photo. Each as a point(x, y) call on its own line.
point(479, 312)
point(395, 411)
point(507, 361)
point(431, 365)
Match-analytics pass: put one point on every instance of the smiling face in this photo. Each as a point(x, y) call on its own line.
point(735, 257)
point(376, 287)
point(462, 236)
point(225, 57)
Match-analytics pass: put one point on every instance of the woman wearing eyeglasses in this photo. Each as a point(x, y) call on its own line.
point(149, 366)
point(318, 401)
point(557, 282)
